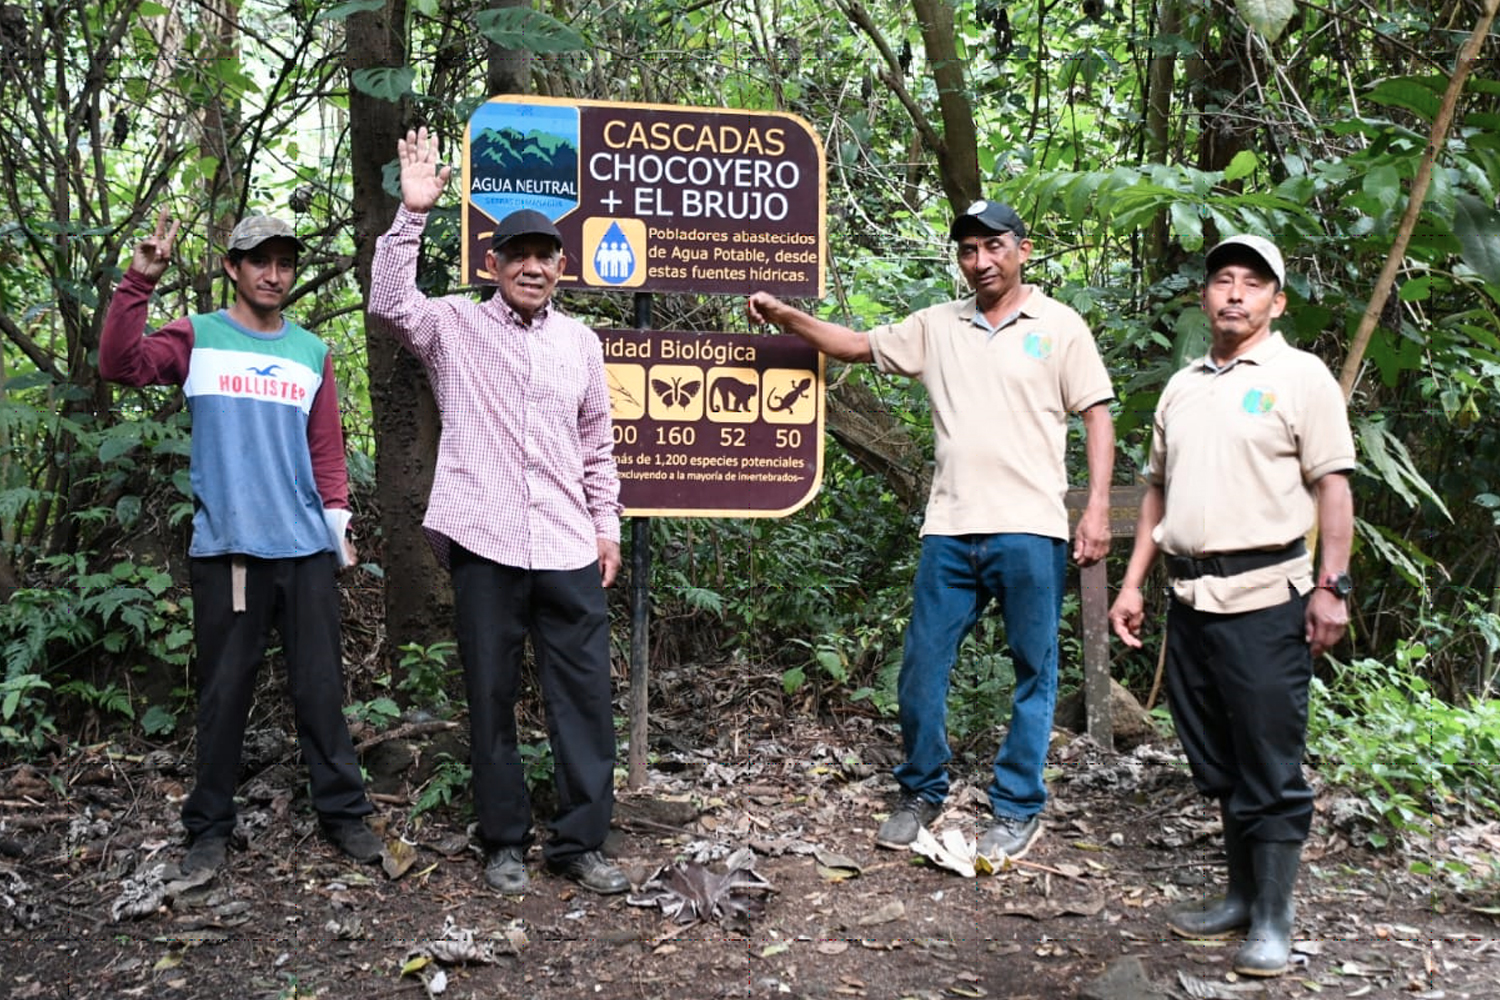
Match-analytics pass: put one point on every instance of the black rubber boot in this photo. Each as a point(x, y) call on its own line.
point(1268, 946)
point(1220, 916)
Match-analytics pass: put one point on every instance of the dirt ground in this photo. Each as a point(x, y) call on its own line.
point(89, 907)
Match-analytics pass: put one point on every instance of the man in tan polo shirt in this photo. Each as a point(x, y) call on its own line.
point(1251, 447)
point(1003, 368)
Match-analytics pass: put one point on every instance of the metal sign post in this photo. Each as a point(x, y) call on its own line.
point(640, 615)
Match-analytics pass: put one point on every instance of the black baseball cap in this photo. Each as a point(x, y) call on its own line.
point(987, 217)
point(524, 222)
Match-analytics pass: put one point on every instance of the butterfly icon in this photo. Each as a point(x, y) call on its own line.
point(676, 392)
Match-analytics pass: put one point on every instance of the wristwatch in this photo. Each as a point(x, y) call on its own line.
point(1341, 584)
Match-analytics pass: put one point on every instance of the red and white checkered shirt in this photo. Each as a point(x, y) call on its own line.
point(526, 470)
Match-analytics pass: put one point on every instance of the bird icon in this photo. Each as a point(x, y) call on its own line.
point(266, 372)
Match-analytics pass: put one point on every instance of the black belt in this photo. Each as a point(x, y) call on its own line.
point(1231, 563)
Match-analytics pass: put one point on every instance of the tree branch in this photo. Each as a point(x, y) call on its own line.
point(1466, 59)
point(30, 348)
point(891, 76)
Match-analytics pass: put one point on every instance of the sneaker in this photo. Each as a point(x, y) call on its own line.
point(205, 853)
point(505, 871)
point(593, 872)
point(903, 825)
point(1010, 838)
point(355, 839)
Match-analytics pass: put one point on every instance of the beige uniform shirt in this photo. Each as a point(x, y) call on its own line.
point(1237, 451)
point(1000, 403)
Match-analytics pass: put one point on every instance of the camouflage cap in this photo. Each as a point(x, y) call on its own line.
point(253, 230)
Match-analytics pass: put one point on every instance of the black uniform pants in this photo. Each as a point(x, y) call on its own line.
point(566, 616)
point(299, 597)
point(1237, 685)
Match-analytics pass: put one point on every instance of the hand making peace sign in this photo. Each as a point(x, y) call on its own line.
point(154, 253)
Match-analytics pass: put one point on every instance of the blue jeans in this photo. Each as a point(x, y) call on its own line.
point(956, 579)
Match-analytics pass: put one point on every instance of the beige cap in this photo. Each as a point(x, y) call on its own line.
point(1258, 246)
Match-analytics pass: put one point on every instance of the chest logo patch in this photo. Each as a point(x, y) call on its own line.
point(1259, 401)
point(1038, 345)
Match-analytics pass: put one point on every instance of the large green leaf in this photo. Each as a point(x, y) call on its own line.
point(1387, 459)
point(345, 10)
point(1269, 17)
point(1383, 183)
point(524, 28)
point(1421, 95)
point(390, 83)
point(1243, 165)
point(1477, 227)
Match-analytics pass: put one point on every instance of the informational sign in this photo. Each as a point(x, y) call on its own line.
point(714, 424)
point(652, 198)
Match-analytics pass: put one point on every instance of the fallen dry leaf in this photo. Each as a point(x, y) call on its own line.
point(950, 849)
point(397, 858)
point(688, 892)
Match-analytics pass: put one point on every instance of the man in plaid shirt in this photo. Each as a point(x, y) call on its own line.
point(524, 513)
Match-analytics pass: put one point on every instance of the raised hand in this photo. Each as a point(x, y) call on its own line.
point(422, 180)
point(154, 253)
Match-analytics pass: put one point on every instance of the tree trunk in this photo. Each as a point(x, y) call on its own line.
point(958, 156)
point(418, 601)
point(878, 442)
point(1161, 79)
point(507, 71)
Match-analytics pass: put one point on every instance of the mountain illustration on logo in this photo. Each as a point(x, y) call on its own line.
point(536, 154)
point(514, 167)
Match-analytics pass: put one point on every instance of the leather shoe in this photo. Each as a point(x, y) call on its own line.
point(355, 839)
point(593, 872)
point(505, 871)
point(205, 853)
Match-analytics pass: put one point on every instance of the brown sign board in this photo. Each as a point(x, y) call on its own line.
point(1124, 508)
point(652, 198)
point(714, 424)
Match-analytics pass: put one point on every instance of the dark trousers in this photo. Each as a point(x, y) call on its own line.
point(298, 597)
point(1237, 685)
point(565, 614)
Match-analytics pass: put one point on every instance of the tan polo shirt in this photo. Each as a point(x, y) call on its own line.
point(1000, 403)
point(1237, 451)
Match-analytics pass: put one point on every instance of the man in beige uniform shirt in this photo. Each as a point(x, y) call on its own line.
point(1003, 370)
point(1251, 446)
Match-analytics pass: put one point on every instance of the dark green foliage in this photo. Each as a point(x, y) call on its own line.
point(1415, 759)
point(127, 615)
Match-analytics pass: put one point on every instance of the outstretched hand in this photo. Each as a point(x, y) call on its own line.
point(422, 180)
point(154, 253)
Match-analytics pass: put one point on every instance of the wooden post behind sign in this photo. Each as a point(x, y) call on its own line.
point(1124, 508)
